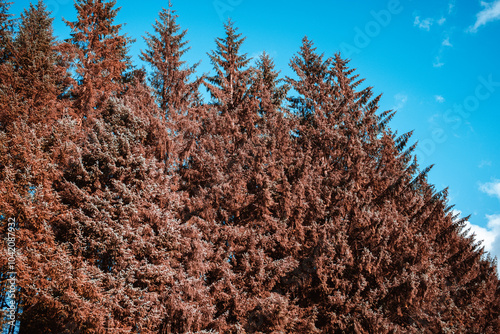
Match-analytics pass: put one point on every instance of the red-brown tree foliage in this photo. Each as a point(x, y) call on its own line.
point(257, 212)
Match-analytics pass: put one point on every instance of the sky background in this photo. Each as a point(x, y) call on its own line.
point(436, 62)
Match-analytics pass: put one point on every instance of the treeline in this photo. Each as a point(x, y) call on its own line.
point(141, 208)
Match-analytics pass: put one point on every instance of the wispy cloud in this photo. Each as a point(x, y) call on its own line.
point(484, 163)
point(451, 6)
point(439, 98)
point(437, 62)
point(490, 13)
point(400, 100)
point(491, 188)
point(441, 21)
point(446, 42)
point(424, 24)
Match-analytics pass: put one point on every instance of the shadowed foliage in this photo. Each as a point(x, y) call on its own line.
point(282, 205)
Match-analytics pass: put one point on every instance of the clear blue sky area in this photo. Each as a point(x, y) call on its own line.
point(436, 62)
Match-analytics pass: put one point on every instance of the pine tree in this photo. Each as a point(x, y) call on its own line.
point(266, 83)
point(314, 81)
point(261, 217)
point(40, 69)
point(170, 78)
point(35, 75)
point(6, 31)
point(229, 87)
point(100, 54)
point(6, 67)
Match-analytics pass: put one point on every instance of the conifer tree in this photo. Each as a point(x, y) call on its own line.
point(314, 81)
point(170, 78)
point(100, 54)
point(41, 72)
point(6, 30)
point(35, 75)
point(229, 86)
point(268, 78)
point(309, 218)
point(6, 67)
point(177, 97)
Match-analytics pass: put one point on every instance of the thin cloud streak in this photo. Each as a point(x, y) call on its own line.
point(490, 13)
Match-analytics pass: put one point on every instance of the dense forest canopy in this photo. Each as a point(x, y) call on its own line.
point(131, 204)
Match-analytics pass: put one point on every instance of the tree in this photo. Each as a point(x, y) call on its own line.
point(243, 215)
point(177, 97)
point(41, 72)
point(125, 258)
point(6, 31)
point(229, 87)
point(170, 78)
point(100, 54)
point(314, 82)
point(266, 84)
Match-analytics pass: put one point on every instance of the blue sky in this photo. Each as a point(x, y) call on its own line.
point(436, 62)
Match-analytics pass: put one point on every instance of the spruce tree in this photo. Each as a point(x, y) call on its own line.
point(170, 77)
point(6, 31)
point(308, 218)
point(35, 75)
point(177, 96)
point(99, 52)
point(266, 75)
point(41, 72)
point(6, 67)
point(229, 86)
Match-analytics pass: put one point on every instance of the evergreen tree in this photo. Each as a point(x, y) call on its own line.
point(229, 87)
point(314, 82)
point(6, 68)
point(41, 72)
point(170, 78)
point(6, 31)
point(177, 97)
point(244, 215)
point(100, 54)
point(35, 75)
point(266, 83)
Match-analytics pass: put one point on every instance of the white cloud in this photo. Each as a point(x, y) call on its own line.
point(486, 235)
point(441, 21)
point(494, 231)
point(439, 98)
point(400, 100)
point(424, 24)
point(490, 13)
point(491, 188)
point(451, 6)
point(484, 163)
point(489, 236)
point(437, 62)
point(446, 42)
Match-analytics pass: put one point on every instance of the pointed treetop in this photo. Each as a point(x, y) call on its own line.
point(229, 86)
point(269, 78)
point(170, 77)
point(101, 53)
point(6, 30)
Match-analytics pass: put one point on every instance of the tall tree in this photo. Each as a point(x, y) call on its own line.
point(36, 74)
point(229, 86)
point(41, 71)
point(266, 83)
point(6, 68)
point(100, 54)
point(6, 30)
point(170, 77)
point(314, 84)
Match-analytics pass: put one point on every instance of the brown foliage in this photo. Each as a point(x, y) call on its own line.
point(161, 214)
